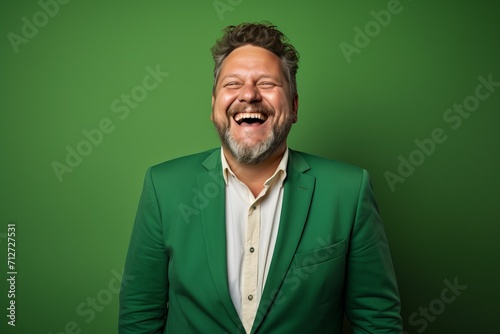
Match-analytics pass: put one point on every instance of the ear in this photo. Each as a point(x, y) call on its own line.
point(295, 107)
point(212, 113)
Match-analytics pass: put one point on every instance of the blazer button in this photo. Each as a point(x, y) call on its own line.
point(252, 249)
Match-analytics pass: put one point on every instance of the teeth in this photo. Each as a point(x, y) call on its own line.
point(241, 116)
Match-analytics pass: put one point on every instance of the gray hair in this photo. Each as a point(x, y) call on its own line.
point(263, 35)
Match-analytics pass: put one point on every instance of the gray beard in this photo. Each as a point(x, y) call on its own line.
point(252, 155)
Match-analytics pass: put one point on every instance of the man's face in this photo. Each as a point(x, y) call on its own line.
point(251, 106)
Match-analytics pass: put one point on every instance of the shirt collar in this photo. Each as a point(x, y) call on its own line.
point(281, 170)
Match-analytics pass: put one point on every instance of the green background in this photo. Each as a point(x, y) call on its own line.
point(72, 236)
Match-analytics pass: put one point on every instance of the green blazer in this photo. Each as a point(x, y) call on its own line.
point(331, 255)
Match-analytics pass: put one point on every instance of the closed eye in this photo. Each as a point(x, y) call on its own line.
point(267, 84)
point(232, 84)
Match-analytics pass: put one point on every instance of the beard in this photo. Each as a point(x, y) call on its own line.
point(253, 154)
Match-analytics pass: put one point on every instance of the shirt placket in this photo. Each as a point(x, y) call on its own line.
point(250, 266)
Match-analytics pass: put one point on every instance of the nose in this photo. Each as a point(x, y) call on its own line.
point(249, 93)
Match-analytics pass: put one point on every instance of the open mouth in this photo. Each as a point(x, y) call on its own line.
point(253, 118)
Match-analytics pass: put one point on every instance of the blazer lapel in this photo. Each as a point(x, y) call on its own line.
point(298, 191)
point(213, 220)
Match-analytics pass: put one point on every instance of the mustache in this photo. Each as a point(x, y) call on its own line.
point(254, 107)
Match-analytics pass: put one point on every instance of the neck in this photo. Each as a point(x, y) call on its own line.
point(254, 176)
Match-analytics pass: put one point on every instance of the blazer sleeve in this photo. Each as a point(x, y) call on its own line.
point(371, 296)
point(144, 299)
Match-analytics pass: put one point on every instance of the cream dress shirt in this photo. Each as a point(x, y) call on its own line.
point(251, 229)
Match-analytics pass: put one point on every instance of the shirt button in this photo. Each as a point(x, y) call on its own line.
point(250, 297)
point(252, 249)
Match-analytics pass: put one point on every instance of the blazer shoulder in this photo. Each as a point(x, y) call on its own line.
point(336, 178)
point(186, 165)
point(325, 166)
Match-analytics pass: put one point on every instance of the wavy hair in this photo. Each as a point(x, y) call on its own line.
point(264, 35)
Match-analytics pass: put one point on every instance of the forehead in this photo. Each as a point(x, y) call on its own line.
point(251, 59)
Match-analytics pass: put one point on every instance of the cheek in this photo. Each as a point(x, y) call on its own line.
point(223, 102)
point(280, 105)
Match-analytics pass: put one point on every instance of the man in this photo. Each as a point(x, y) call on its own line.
point(255, 237)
